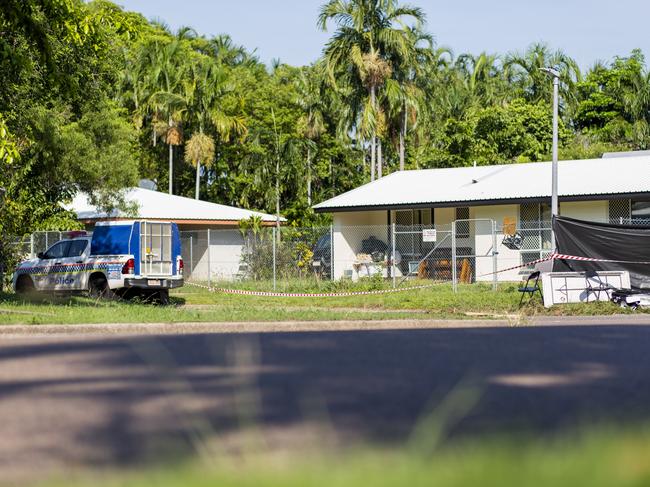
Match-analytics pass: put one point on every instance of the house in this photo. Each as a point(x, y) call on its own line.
point(478, 199)
point(199, 222)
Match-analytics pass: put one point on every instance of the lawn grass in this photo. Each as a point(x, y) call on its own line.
point(600, 458)
point(196, 304)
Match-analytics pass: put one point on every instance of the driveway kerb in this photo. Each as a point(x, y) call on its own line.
point(306, 326)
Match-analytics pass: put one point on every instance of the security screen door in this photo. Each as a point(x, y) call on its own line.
point(156, 248)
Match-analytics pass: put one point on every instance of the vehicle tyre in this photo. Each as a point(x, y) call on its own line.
point(162, 297)
point(25, 286)
point(99, 288)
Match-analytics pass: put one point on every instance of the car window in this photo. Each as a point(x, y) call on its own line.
point(77, 247)
point(58, 250)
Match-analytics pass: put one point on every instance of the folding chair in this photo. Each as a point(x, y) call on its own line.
point(531, 289)
point(597, 287)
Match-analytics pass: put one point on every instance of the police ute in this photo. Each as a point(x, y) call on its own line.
point(124, 258)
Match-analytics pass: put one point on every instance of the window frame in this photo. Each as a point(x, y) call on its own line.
point(84, 248)
point(64, 243)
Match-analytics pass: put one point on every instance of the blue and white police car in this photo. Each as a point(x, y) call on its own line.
point(137, 257)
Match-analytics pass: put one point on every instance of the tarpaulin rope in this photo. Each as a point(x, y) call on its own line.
point(556, 256)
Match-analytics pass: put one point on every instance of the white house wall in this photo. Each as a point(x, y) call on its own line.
point(225, 254)
point(349, 231)
point(483, 241)
point(351, 228)
point(595, 211)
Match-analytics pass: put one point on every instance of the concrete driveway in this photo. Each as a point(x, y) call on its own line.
point(106, 400)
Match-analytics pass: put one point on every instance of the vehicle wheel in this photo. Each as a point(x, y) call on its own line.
point(161, 297)
point(25, 286)
point(99, 288)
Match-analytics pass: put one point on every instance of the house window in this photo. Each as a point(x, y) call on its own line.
point(629, 211)
point(408, 226)
point(619, 211)
point(640, 211)
point(535, 228)
point(462, 226)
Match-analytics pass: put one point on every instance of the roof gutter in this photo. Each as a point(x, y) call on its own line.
point(502, 201)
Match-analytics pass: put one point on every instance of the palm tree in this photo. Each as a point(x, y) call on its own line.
point(524, 70)
point(208, 85)
point(310, 86)
point(167, 60)
point(406, 98)
point(483, 77)
point(636, 100)
point(371, 36)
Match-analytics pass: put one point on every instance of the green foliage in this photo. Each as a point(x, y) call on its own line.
point(92, 94)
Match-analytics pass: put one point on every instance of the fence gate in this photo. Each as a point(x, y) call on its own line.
point(422, 251)
point(474, 251)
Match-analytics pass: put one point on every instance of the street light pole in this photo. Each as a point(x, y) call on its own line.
point(3, 257)
point(555, 207)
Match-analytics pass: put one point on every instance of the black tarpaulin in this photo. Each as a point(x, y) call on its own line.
point(604, 241)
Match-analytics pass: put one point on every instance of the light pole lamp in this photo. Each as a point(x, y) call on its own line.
point(555, 207)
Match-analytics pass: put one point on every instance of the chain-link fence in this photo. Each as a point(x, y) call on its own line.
point(462, 252)
point(465, 251)
point(30, 246)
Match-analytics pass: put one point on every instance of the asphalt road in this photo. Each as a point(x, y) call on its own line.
point(95, 401)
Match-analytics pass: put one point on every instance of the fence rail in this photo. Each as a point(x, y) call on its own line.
point(462, 251)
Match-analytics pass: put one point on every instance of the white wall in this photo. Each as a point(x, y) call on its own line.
point(350, 229)
point(595, 211)
point(225, 254)
point(505, 257)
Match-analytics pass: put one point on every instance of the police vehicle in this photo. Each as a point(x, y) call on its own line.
point(120, 258)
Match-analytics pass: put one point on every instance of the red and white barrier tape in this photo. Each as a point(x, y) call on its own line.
point(567, 257)
point(244, 292)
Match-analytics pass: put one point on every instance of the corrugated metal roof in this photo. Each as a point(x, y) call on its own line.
point(623, 175)
point(156, 205)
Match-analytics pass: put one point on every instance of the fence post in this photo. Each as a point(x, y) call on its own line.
point(209, 263)
point(274, 257)
point(454, 283)
point(331, 252)
point(191, 255)
point(393, 258)
point(31, 246)
point(495, 253)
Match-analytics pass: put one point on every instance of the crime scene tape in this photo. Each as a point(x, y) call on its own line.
point(273, 294)
point(567, 257)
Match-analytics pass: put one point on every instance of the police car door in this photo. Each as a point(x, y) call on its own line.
point(76, 276)
point(51, 266)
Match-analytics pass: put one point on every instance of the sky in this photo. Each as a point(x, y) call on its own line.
point(587, 30)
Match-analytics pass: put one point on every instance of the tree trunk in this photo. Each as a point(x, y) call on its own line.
point(379, 159)
point(309, 176)
point(373, 138)
point(171, 168)
point(198, 179)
